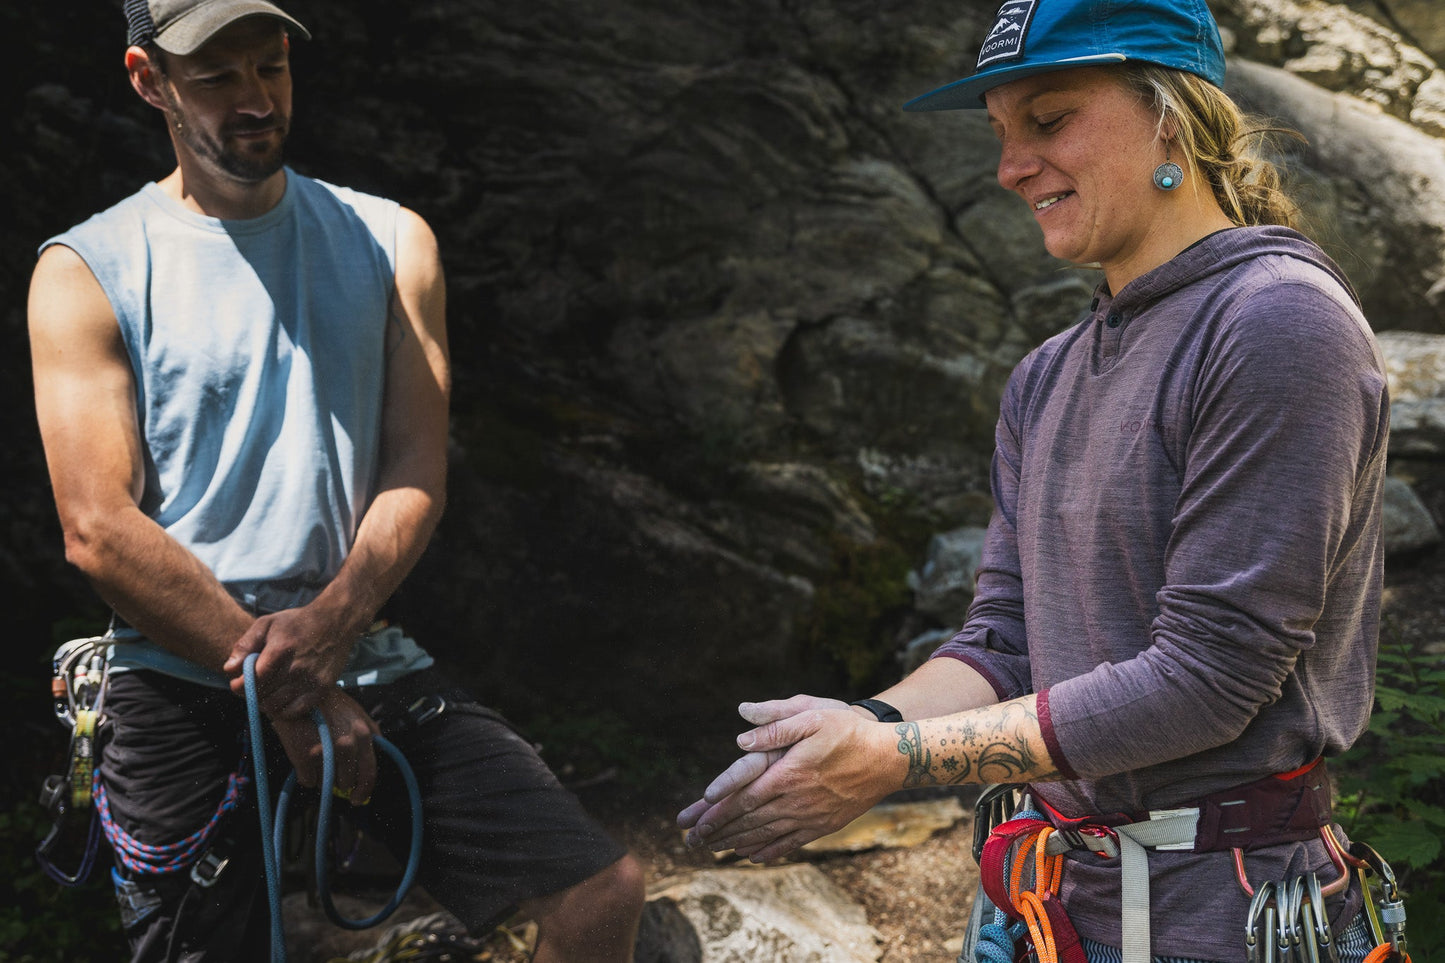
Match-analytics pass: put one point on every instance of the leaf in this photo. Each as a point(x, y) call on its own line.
point(1404, 842)
point(1416, 768)
point(1391, 698)
point(1425, 707)
point(1383, 721)
point(1428, 812)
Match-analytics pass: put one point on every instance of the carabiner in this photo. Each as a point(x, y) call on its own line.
point(1289, 898)
point(1261, 947)
point(1315, 912)
point(995, 805)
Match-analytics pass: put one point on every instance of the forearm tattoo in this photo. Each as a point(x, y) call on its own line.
point(990, 746)
point(920, 760)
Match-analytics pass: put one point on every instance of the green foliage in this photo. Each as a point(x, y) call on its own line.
point(853, 606)
point(41, 920)
point(1392, 786)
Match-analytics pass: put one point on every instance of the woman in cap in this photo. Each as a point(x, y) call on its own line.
point(1176, 615)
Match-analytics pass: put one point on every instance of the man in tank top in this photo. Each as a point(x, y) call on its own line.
point(242, 384)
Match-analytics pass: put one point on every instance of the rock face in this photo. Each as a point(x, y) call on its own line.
point(1416, 366)
point(729, 328)
point(787, 914)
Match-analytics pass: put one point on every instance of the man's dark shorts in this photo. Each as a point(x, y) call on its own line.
point(499, 828)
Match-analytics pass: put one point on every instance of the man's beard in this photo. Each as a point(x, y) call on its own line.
point(250, 165)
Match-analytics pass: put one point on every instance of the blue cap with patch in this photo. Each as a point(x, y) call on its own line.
point(1036, 36)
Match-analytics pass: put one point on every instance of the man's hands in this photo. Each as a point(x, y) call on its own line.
point(302, 654)
point(352, 735)
point(813, 765)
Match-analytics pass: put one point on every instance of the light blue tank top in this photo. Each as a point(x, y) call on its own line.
point(258, 348)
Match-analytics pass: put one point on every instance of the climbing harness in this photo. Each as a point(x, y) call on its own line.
point(1020, 862)
point(81, 673)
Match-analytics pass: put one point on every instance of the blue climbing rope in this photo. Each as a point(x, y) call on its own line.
point(273, 826)
point(323, 829)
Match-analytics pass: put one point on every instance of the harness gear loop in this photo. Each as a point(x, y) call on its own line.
point(1337, 857)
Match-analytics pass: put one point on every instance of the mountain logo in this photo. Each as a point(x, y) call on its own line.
point(1006, 39)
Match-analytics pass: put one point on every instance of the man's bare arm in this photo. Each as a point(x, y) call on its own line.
point(85, 403)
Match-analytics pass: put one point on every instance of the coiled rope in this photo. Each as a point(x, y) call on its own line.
point(273, 827)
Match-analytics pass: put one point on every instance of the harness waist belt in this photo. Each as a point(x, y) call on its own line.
point(1287, 807)
point(1283, 808)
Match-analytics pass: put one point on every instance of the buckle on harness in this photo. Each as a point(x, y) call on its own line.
point(399, 717)
point(136, 901)
point(425, 709)
point(208, 869)
point(1100, 840)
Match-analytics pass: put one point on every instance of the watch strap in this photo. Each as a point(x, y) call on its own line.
point(881, 709)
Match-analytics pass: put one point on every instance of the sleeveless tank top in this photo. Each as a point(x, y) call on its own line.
point(258, 348)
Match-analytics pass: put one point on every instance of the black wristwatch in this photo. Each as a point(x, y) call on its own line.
point(881, 709)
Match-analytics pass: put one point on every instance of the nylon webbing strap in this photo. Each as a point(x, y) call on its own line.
point(1134, 863)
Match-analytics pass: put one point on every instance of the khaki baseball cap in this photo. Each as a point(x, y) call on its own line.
point(181, 27)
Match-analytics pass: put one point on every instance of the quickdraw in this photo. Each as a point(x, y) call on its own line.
point(1287, 922)
point(77, 685)
point(1387, 914)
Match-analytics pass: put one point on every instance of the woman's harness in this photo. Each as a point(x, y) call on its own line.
point(1020, 857)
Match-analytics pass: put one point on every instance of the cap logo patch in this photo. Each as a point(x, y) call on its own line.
point(1006, 39)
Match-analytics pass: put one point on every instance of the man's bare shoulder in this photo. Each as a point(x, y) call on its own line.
point(65, 295)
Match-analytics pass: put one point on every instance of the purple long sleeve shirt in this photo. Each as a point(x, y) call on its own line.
point(1185, 558)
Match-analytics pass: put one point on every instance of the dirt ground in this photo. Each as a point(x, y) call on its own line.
point(918, 898)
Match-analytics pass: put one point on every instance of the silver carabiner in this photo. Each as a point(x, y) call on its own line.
point(1259, 940)
point(1319, 946)
point(1289, 898)
point(1391, 908)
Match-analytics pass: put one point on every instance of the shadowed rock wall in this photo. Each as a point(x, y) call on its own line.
point(729, 328)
